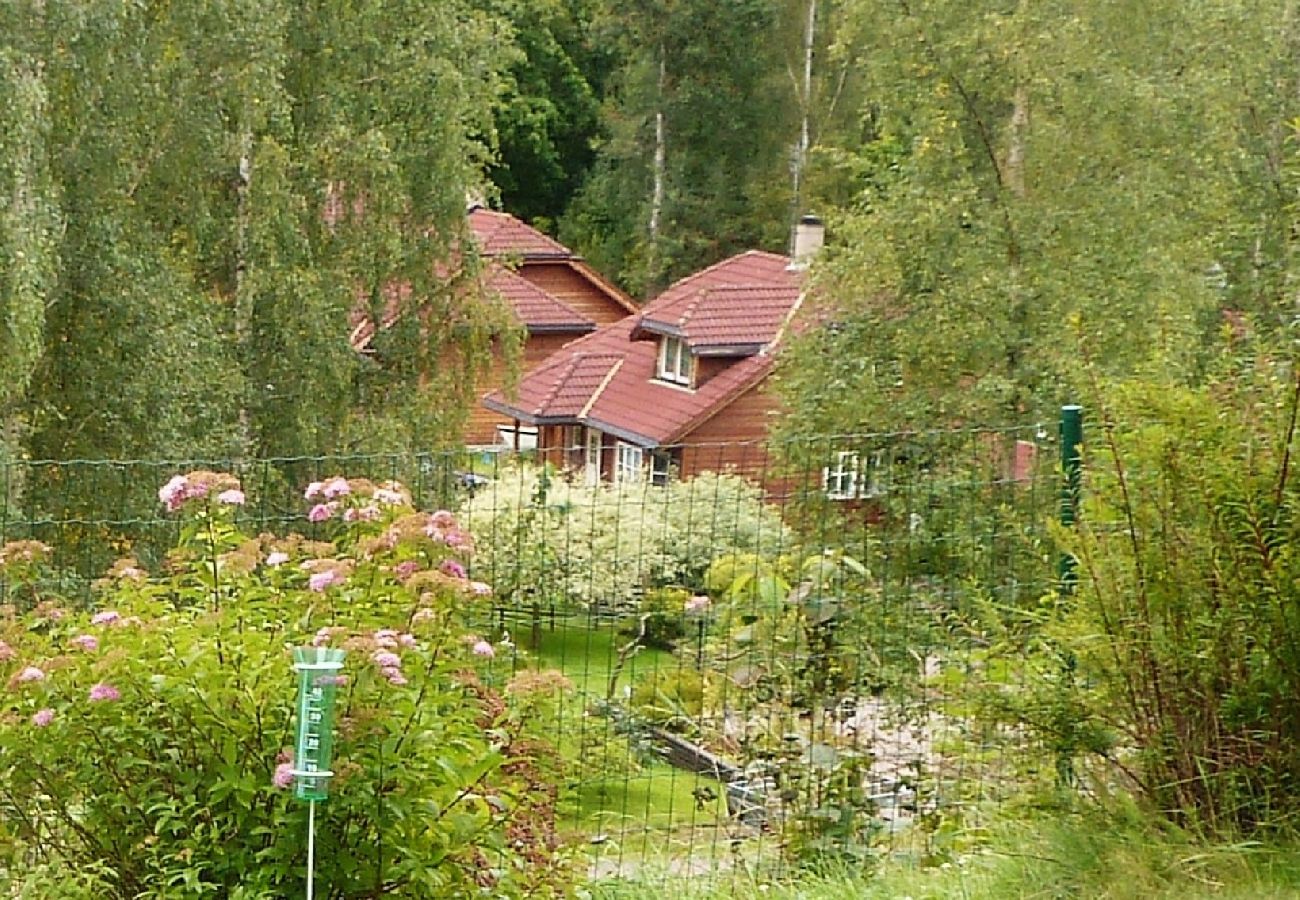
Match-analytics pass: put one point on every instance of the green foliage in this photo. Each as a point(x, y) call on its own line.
point(726, 129)
point(1024, 172)
point(1178, 651)
point(601, 545)
point(796, 653)
point(148, 746)
point(548, 117)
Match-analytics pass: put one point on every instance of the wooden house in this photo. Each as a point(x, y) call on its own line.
point(679, 388)
point(554, 294)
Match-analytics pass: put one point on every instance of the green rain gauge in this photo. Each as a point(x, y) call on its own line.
point(318, 679)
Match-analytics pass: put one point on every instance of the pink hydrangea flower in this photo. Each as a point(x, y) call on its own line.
point(484, 649)
point(321, 581)
point(408, 640)
point(442, 519)
point(452, 568)
point(406, 569)
point(283, 777)
point(104, 693)
point(386, 637)
point(361, 514)
point(322, 637)
point(106, 617)
point(43, 717)
point(29, 674)
point(321, 511)
point(384, 495)
point(336, 487)
point(480, 588)
point(697, 604)
point(386, 659)
point(6, 652)
point(87, 642)
point(276, 558)
point(394, 675)
point(313, 490)
point(231, 497)
point(458, 540)
point(173, 493)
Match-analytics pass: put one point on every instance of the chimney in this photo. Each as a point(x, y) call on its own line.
point(808, 237)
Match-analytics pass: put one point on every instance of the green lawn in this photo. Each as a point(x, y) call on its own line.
point(587, 653)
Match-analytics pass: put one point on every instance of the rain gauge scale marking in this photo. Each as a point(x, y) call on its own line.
point(317, 669)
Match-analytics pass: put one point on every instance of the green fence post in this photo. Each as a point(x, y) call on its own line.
point(1071, 485)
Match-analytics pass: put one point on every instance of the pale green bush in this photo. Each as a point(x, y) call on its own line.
point(544, 536)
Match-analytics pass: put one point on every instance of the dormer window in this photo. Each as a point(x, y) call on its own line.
point(675, 361)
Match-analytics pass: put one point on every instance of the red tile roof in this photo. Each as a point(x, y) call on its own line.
point(499, 233)
point(729, 320)
point(607, 379)
point(534, 307)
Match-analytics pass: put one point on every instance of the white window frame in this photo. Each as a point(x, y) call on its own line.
point(594, 448)
point(676, 364)
point(629, 463)
point(840, 481)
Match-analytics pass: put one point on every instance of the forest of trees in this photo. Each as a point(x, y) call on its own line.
point(194, 197)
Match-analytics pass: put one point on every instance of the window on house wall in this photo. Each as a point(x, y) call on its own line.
point(674, 361)
point(840, 479)
point(629, 464)
point(661, 467)
point(849, 477)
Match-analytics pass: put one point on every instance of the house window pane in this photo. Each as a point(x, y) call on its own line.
point(674, 361)
point(630, 464)
point(840, 479)
point(661, 463)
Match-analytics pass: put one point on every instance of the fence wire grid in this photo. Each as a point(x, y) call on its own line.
point(762, 652)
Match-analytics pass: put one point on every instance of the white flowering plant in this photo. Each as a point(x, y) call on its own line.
point(147, 744)
point(601, 545)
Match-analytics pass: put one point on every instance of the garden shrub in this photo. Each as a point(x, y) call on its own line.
point(602, 545)
point(1176, 660)
point(149, 741)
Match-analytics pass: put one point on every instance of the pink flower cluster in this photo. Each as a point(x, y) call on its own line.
point(104, 693)
point(87, 642)
point(329, 489)
point(698, 604)
point(388, 662)
point(283, 776)
point(43, 717)
point(323, 581)
point(276, 558)
point(181, 488)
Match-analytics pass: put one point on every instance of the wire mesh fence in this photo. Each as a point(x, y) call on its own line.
point(744, 655)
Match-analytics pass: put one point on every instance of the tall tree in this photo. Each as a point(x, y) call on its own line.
point(237, 180)
point(1032, 173)
point(694, 167)
point(29, 219)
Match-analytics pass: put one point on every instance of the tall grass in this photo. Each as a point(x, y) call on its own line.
point(1089, 855)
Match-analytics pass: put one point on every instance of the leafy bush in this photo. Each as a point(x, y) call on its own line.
point(1178, 653)
point(601, 545)
point(149, 742)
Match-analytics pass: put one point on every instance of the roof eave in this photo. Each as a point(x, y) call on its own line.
point(727, 350)
point(584, 328)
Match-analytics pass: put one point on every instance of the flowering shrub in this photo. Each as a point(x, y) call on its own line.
point(149, 742)
point(601, 544)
